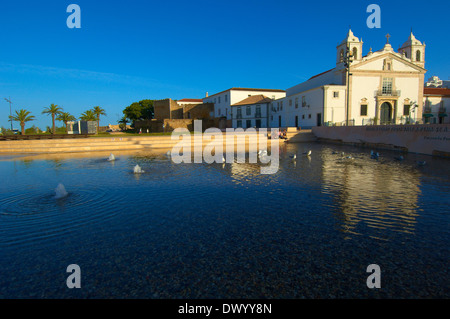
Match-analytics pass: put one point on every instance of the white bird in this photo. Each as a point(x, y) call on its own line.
point(262, 152)
point(293, 156)
point(138, 170)
point(308, 153)
point(223, 159)
point(111, 158)
point(169, 153)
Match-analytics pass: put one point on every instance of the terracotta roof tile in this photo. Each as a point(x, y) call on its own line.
point(254, 99)
point(191, 100)
point(436, 91)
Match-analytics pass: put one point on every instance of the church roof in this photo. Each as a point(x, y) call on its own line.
point(254, 99)
point(411, 41)
point(350, 37)
point(317, 75)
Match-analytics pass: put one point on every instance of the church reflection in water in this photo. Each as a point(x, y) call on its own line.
point(373, 194)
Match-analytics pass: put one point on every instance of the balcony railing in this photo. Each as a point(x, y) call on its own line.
point(387, 93)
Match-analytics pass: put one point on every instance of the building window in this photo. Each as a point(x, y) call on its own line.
point(309, 116)
point(258, 123)
point(278, 106)
point(336, 94)
point(218, 111)
point(215, 100)
point(249, 123)
point(248, 110)
point(239, 113)
point(363, 111)
point(417, 55)
point(296, 102)
point(355, 53)
point(341, 56)
point(281, 105)
point(239, 123)
point(406, 109)
point(303, 101)
point(258, 111)
point(226, 97)
point(290, 102)
point(303, 116)
point(219, 99)
point(387, 86)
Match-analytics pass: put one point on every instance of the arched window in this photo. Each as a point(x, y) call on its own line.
point(355, 53)
point(417, 55)
point(341, 56)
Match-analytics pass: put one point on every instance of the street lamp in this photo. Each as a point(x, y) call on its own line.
point(348, 59)
point(10, 112)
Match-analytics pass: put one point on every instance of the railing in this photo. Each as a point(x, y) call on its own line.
point(387, 93)
point(442, 110)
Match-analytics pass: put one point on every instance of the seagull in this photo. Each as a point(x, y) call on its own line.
point(223, 159)
point(137, 170)
point(374, 155)
point(307, 153)
point(111, 158)
point(293, 156)
point(262, 152)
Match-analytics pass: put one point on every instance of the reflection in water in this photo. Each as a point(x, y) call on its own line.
point(380, 194)
point(224, 230)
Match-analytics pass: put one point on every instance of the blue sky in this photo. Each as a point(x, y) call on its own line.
point(131, 50)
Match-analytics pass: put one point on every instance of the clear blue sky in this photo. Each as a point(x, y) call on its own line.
point(131, 50)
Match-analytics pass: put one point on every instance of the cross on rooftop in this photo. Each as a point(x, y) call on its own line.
point(387, 37)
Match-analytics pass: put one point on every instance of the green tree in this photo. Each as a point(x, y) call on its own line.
point(142, 110)
point(98, 111)
point(65, 117)
point(88, 116)
point(54, 110)
point(22, 117)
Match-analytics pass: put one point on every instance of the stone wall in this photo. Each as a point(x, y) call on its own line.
point(198, 111)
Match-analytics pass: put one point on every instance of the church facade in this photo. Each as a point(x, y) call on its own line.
point(383, 87)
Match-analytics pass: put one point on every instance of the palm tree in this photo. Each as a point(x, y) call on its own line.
point(53, 110)
point(97, 110)
point(65, 117)
point(88, 116)
point(22, 116)
point(123, 123)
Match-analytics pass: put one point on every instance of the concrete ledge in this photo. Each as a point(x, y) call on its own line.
point(430, 139)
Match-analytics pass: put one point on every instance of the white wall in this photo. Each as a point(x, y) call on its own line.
point(252, 116)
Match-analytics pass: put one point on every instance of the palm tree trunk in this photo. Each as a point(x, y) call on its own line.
point(23, 128)
point(53, 119)
point(98, 122)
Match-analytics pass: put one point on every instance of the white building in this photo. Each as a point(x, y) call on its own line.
point(223, 100)
point(382, 87)
point(251, 112)
point(436, 105)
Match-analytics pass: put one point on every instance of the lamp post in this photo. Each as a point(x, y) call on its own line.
point(10, 112)
point(348, 59)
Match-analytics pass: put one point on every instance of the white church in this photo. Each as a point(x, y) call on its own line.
point(383, 87)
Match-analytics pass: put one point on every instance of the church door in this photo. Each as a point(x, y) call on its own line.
point(385, 113)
